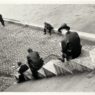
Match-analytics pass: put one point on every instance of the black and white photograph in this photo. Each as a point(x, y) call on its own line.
point(47, 47)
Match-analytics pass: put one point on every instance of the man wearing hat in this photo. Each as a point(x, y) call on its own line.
point(47, 28)
point(71, 46)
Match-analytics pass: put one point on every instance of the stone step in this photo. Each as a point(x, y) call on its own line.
point(84, 60)
point(85, 63)
point(42, 73)
point(50, 66)
point(60, 70)
point(53, 68)
point(48, 73)
point(60, 66)
point(56, 67)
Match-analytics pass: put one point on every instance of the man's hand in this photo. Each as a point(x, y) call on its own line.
point(60, 44)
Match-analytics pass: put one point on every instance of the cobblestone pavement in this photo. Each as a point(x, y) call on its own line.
point(16, 39)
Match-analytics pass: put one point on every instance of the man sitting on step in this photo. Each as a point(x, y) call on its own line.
point(35, 62)
point(47, 28)
point(71, 46)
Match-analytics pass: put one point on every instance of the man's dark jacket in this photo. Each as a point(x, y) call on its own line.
point(34, 60)
point(71, 44)
point(23, 68)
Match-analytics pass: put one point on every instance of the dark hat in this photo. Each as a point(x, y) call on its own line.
point(29, 50)
point(65, 26)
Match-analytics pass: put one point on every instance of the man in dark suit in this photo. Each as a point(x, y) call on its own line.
point(1, 20)
point(47, 28)
point(35, 62)
point(71, 46)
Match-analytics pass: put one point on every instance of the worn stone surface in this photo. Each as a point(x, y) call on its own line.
point(16, 39)
point(92, 55)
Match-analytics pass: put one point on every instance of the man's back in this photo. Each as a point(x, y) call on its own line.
point(34, 56)
point(48, 26)
point(73, 38)
point(71, 43)
point(34, 60)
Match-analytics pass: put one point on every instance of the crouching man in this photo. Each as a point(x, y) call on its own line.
point(35, 62)
point(21, 74)
point(48, 28)
point(71, 46)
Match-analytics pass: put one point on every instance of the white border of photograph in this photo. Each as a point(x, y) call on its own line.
point(47, 2)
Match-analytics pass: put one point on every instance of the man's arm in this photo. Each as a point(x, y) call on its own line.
point(63, 45)
point(37, 54)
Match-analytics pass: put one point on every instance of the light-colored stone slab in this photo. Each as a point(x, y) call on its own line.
point(72, 66)
point(92, 55)
point(50, 66)
point(48, 73)
point(41, 73)
point(85, 61)
point(63, 66)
